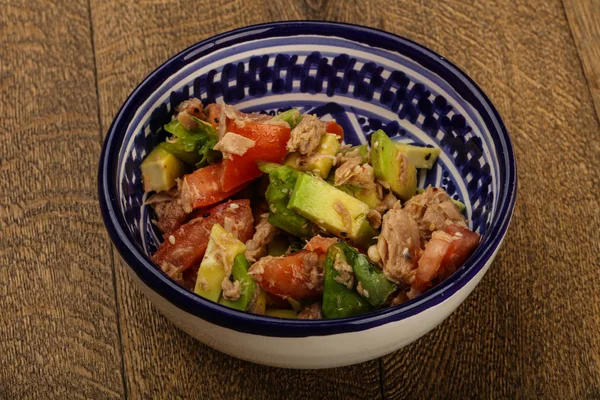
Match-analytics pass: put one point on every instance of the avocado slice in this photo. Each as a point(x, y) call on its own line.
point(420, 157)
point(160, 169)
point(213, 267)
point(333, 210)
point(368, 196)
point(328, 148)
point(392, 166)
point(282, 180)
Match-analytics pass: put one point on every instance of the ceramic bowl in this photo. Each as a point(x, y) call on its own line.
point(363, 78)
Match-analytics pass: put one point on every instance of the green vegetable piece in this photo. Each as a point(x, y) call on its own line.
point(267, 167)
point(239, 271)
point(278, 313)
point(335, 211)
point(292, 117)
point(375, 287)
point(160, 169)
point(392, 166)
point(322, 161)
point(368, 196)
point(222, 249)
point(460, 205)
point(193, 147)
point(282, 182)
point(420, 157)
point(338, 300)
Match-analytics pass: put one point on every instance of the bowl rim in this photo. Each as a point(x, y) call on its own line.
point(186, 300)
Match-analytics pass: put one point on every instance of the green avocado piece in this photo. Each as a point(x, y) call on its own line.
point(338, 300)
point(420, 157)
point(323, 158)
point(239, 271)
point(282, 180)
point(212, 269)
point(392, 166)
point(160, 169)
point(333, 210)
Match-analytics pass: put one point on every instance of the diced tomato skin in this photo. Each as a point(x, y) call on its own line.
point(270, 145)
point(286, 277)
point(189, 242)
point(464, 243)
point(335, 128)
point(205, 183)
point(430, 262)
point(320, 244)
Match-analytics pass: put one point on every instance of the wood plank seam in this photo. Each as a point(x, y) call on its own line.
point(111, 249)
point(580, 59)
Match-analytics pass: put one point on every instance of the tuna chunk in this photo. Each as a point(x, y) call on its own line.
point(232, 143)
point(399, 246)
point(305, 137)
point(257, 246)
point(433, 210)
point(312, 311)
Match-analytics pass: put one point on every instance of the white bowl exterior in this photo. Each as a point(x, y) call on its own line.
point(314, 351)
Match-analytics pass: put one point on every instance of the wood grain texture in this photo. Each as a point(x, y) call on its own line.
point(131, 38)
point(532, 327)
point(530, 330)
point(58, 331)
point(584, 21)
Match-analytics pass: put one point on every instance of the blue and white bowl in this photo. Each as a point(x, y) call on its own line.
point(363, 78)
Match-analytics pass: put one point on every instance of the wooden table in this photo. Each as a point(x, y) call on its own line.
point(73, 324)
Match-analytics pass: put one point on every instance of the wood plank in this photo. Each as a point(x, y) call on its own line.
point(59, 334)
point(584, 20)
point(161, 361)
point(532, 327)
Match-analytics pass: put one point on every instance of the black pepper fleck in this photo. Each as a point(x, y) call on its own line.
point(205, 215)
point(428, 156)
point(344, 233)
point(217, 120)
point(197, 110)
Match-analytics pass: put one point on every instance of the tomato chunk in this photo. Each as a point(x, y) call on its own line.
point(336, 129)
point(320, 244)
point(463, 244)
point(270, 142)
point(431, 260)
point(187, 245)
point(202, 187)
point(288, 276)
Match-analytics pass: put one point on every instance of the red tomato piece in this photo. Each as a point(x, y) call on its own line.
point(431, 260)
point(335, 128)
point(270, 142)
point(186, 246)
point(202, 187)
point(320, 244)
point(286, 276)
point(464, 243)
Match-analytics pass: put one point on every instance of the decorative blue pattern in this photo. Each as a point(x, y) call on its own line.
point(327, 70)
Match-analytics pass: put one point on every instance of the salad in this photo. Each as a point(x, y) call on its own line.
point(274, 215)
